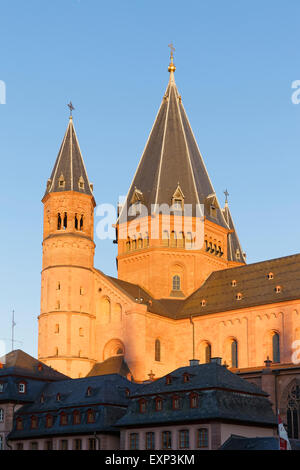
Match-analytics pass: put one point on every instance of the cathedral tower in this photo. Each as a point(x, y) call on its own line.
point(172, 233)
point(66, 321)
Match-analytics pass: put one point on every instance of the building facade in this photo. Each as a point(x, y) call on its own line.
point(183, 288)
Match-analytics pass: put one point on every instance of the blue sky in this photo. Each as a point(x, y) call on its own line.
point(236, 62)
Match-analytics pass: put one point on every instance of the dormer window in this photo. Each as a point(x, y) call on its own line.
point(42, 399)
point(193, 400)
point(270, 276)
point(58, 397)
point(238, 254)
point(40, 367)
point(239, 296)
point(89, 392)
point(158, 404)
point(175, 402)
point(142, 405)
point(34, 422)
point(76, 417)
point(22, 387)
point(63, 418)
point(234, 283)
point(186, 378)
point(213, 212)
point(81, 183)
point(277, 289)
point(177, 200)
point(168, 380)
point(203, 303)
point(61, 181)
point(49, 421)
point(90, 416)
point(177, 204)
point(19, 424)
point(127, 392)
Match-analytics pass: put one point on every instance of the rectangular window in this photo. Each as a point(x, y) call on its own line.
point(133, 441)
point(184, 439)
point(150, 440)
point(48, 445)
point(64, 444)
point(1, 443)
point(34, 446)
point(166, 440)
point(77, 444)
point(202, 438)
point(19, 446)
point(92, 443)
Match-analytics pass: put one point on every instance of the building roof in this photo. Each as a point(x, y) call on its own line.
point(252, 282)
point(112, 365)
point(220, 397)
point(107, 397)
point(20, 363)
point(250, 443)
point(69, 167)
point(171, 162)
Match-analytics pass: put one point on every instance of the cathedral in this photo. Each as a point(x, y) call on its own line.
point(183, 291)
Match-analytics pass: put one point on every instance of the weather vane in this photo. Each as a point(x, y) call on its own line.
point(71, 107)
point(226, 196)
point(172, 50)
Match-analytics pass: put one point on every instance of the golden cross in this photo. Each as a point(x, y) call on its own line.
point(172, 49)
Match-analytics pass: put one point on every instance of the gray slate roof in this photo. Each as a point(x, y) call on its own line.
point(171, 157)
point(70, 165)
point(112, 365)
point(221, 396)
point(250, 443)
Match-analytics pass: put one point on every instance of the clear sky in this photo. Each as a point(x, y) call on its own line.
point(236, 61)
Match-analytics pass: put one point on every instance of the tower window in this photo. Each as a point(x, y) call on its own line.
point(58, 286)
point(81, 223)
point(275, 348)
point(203, 303)
point(234, 354)
point(58, 221)
point(173, 239)
point(239, 296)
point(76, 222)
point(277, 289)
point(61, 181)
point(270, 276)
point(157, 350)
point(81, 183)
point(65, 221)
point(56, 328)
point(213, 212)
point(80, 331)
point(176, 282)
point(233, 283)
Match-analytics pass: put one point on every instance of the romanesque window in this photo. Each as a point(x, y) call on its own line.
point(58, 221)
point(140, 242)
point(76, 222)
point(270, 276)
point(128, 245)
point(180, 241)
point(56, 328)
point(65, 221)
point(189, 241)
point(275, 347)
point(146, 240)
point(202, 438)
point(106, 310)
point(134, 243)
point(58, 285)
point(176, 282)
point(81, 223)
point(207, 353)
point(234, 353)
point(293, 412)
point(157, 350)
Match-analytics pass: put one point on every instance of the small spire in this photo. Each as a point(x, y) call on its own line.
point(71, 107)
point(171, 67)
point(226, 197)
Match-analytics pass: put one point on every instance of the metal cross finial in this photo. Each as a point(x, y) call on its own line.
point(172, 49)
point(226, 195)
point(71, 107)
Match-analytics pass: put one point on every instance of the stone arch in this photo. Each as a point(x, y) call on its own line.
point(113, 347)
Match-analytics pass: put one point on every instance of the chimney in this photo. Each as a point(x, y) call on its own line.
point(216, 360)
point(194, 362)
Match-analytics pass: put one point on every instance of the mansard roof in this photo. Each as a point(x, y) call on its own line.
point(172, 159)
point(69, 172)
point(221, 394)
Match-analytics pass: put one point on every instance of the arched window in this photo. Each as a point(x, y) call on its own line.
point(207, 353)
point(234, 353)
point(173, 239)
point(275, 348)
point(189, 241)
point(81, 223)
point(1, 415)
point(128, 244)
point(134, 243)
point(157, 350)
point(165, 238)
point(76, 222)
point(293, 412)
point(140, 242)
point(58, 221)
point(176, 282)
point(146, 240)
point(65, 221)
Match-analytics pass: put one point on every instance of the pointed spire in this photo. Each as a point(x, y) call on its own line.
point(171, 154)
point(69, 172)
point(234, 248)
